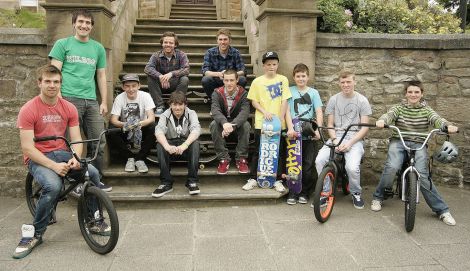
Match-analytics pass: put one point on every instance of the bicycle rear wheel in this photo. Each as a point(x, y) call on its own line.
point(98, 220)
point(33, 193)
point(410, 201)
point(324, 196)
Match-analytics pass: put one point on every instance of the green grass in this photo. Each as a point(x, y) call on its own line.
point(22, 19)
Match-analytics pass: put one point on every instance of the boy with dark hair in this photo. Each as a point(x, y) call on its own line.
point(177, 132)
point(305, 103)
point(230, 109)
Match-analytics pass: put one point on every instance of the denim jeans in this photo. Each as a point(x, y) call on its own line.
point(210, 83)
point(191, 155)
point(92, 124)
point(51, 184)
point(155, 88)
point(395, 157)
point(241, 135)
point(353, 164)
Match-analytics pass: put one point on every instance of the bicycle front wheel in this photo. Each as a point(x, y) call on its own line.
point(98, 220)
point(410, 200)
point(324, 197)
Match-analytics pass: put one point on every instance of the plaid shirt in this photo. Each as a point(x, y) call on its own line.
point(158, 64)
point(215, 62)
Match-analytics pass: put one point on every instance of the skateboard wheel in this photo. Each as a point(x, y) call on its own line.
point(265, 184)
point(201, 166)
point(205, 100)
point(204, 148)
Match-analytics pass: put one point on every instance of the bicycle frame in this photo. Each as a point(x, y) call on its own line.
point(411, 156)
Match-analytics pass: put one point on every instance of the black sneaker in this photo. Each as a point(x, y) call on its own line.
point(303, 199)
point(104, 187)
point(162, 190)
point(100, 228)
point(193, 188)
point(291, 198)
point(357, 201)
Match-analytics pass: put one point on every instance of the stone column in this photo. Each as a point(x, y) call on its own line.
point(289, 28)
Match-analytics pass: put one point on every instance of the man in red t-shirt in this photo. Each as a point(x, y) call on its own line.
point(45, 115)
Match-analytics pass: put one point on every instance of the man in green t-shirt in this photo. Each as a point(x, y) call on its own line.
point(80, 58)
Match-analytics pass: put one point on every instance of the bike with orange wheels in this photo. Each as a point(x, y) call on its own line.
point(333, 175)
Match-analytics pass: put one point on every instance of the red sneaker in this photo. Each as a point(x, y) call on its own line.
point(242, 166)
point(223, 167)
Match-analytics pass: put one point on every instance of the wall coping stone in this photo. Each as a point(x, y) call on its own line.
point(289, 12)
point(30, 36)
point(73, 6)
point(394, 41)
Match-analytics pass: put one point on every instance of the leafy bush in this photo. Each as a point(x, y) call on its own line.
point(386, 16)
point(22, 18)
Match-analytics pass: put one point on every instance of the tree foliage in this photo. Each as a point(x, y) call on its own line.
point(386, 16)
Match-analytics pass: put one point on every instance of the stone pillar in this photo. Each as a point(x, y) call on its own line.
point(289, 28)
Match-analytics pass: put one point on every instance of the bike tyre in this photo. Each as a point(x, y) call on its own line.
point(84, 218)
point(410, 201)
point(322, 214)
point(33, 193)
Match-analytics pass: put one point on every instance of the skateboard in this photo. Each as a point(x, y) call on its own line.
point(202, 95)
point(294, 159)
point(269, 152)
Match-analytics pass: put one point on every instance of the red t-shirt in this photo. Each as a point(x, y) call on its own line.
point(47, 120)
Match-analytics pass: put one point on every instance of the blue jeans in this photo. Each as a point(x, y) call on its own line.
point(210, 83)
point(92, 124)
point(155, 88)
point(353, 164)
point(191, 155)
point(51, 184)
point(395, 158)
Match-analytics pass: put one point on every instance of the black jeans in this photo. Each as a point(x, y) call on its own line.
point(210, 83)
point(309, 172)
point(118, 143)
point(191, 155)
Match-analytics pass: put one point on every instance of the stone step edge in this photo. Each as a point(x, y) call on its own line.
point(146, 196)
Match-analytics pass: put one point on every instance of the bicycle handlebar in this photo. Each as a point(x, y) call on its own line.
point(69, 144)
point(426, 135)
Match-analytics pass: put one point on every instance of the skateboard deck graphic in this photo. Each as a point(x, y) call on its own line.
point(294, 159)
point(269, 152)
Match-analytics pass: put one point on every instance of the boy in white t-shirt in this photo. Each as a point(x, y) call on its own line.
point(133, 110)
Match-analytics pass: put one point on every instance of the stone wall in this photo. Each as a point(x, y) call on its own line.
point(155, 8)
point(22, 51)
point(382, 63)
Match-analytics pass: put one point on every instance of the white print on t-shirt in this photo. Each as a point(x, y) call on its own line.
point(81, 59)
point(51, 118)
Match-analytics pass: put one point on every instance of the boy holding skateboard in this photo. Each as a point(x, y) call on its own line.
point(268, 94)
point(304, 103)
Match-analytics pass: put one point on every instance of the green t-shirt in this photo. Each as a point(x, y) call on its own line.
point(80, 60)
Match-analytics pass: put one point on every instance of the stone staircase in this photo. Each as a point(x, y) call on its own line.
point(196, 26)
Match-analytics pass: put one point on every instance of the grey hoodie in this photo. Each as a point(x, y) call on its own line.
point(166, 124)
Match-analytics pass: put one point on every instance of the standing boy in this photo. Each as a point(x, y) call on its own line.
point(305, 103)
point(268, 94)
point(133, 111)
point(230, 109)
point(80, 58)
point(345, 108)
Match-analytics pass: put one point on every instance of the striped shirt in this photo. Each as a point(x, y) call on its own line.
point(159, 64)
point(410, 118)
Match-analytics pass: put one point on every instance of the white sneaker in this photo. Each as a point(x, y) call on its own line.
point(279, 187)
point(448, 219)
point(250, 184)
point(376, 205)
point(141, 166)
point(130, 165)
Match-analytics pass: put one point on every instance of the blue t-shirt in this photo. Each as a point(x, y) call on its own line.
point(303, 104)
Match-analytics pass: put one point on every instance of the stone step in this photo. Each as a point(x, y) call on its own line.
point(195, 59)
point(194, 17)
point(186, 29)
point(192, 7)
point(189, 13)
point(184, 38)
point(189, 22)
point(195, 67)
point(187, 48)
point(194, 78)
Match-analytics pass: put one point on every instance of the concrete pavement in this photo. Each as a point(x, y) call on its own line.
point(259, 237)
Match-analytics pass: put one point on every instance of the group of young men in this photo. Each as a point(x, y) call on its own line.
point(68, 102)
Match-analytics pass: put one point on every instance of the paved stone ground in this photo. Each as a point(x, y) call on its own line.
point(259, 237)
